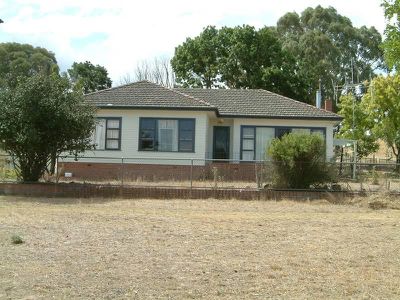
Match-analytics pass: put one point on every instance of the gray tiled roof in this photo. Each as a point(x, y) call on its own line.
point(225, 102)
point(144, 94)
point(257, 103)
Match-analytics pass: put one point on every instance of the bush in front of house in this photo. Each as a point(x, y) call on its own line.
point(299, 161)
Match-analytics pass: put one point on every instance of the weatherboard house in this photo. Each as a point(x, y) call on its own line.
point(169, 129)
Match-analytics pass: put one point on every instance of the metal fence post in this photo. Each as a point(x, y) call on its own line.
point(191, 175)
point(122, 171)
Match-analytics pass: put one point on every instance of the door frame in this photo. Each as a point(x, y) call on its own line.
point(229, 140)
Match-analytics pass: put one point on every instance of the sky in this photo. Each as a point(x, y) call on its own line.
point(119, 34)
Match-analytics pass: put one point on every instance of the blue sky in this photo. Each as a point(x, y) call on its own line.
point(118, 34)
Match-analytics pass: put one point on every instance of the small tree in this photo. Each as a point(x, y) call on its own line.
point(40, 119)
point(299, 161)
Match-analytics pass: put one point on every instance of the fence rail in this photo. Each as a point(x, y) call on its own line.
point(201, 173)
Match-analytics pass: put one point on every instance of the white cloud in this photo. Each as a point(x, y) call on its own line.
point(138, 30)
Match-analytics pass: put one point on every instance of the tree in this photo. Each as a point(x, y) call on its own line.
point(391, 44)
point(40, 119)
point(382, 103)
point(23, 60)
point(327, 46)
point(357, 124)
point(159, 71)
point(196, 61)
point(239, 57)
point(90, 77)
point(299, 161)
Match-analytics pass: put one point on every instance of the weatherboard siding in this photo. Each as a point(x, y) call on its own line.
point(130, 138)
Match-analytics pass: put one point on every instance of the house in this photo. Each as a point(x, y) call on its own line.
point(149, 124)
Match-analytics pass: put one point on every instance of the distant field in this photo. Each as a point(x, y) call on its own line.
point(188, 249)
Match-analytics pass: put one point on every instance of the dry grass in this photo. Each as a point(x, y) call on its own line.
point(197, 249)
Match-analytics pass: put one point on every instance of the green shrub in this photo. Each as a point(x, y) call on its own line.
point(16, 239)
point(299, 161)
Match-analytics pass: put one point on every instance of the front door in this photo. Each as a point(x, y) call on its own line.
point(221, 142)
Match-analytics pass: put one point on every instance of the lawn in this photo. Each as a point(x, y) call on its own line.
point(206, 249)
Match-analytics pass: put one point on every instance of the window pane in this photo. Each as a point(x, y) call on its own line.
point(167, 135)
point(186, 135)
point(264, 136)
point(112, 144)
point(113, 124)
point(301, 130)
point(247, 155)
point(112, 133)
point(100, 134)
point(186, 124)
point(148, 123)
point(318, 131)
point(147, 144)
point(248, 144)
point(248, 132)
point(186, 146)
point(280, 132)
point(147, 134)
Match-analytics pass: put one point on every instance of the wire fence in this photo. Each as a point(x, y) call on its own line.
point(204, 173)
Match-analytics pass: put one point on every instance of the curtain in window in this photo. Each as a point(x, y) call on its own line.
point(167, 135)
point(100, 134)
point(264, 136)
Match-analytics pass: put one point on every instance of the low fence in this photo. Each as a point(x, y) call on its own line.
point(202, 173)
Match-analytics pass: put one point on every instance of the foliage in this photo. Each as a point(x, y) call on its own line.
point(299, 161)
point(23, 60)
point(326, 45)
point(40, 119)
point(90, 77)
point(288, 59)
point(362, 122)
point(391, 44)
point(16, 239)
point(382, 103)
point(239, 57)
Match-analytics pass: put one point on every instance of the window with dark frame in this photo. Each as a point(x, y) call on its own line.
point(107, 135)
point(251, 141)
point(166, 135)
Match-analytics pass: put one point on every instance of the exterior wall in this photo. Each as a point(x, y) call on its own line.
point(237, 123)
point(130, 137)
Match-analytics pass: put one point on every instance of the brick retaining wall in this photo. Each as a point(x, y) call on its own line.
point(158, 172)
point(76, 190)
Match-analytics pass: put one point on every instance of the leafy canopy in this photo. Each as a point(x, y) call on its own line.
point(239, 57)
point(40, 119)
point(357, 126)
point(391, 44)
point(382, 103)
point(23, 60)
point(299, 161)
point(326, 45)
point(89, 77)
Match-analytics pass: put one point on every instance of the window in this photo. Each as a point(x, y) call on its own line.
point(107, 135)
point(166, 135)
point(256, 139)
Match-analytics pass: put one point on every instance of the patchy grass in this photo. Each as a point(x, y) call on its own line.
point(206, 249)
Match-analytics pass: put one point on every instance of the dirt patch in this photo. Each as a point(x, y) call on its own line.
point(209, 249)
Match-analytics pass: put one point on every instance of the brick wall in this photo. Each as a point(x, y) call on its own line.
point(157, 172)
point(75, 190)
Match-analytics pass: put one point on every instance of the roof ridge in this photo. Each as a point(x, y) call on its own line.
point(303, 103)
point(191, 97)
point(117, 87)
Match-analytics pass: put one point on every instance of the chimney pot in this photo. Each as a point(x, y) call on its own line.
point(328, 105)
